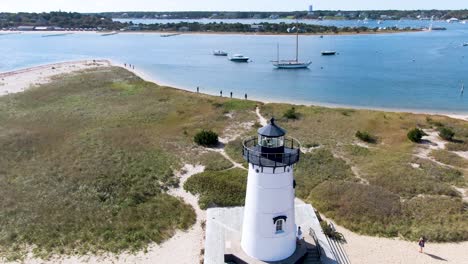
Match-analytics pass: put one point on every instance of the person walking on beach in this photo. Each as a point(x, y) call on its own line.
point(421, 243)
point(125, 64)
point(221, 93)
point(245, 96)
point(231, 94)
point(198, 89)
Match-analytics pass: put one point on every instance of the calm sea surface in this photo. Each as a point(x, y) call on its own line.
point(414, 71)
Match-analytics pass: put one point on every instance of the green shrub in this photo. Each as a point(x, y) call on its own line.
point(365, 136)
point(206, 138)
point(218, 188)
point(415, 135)
point(330, 232)
point(291, 113)
point(446, 133)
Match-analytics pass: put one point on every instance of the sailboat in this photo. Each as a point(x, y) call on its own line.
point(291, 64)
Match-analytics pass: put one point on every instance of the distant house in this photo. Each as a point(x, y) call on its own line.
point(44, 28)
point(25, 28)
point(256, 28)
point(184, 29)
point(134, 27)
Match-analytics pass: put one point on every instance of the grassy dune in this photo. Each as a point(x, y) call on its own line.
point(384, 194)
point(85, 162)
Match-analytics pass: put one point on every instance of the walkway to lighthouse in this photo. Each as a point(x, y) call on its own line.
point(223, 235)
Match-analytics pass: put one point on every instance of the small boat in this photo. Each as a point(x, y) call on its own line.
point(328, 53)
point(220, 53)
point(169, 35)
point(239, 58)
point(109, 34)
point(57, 35)
point(465, 44)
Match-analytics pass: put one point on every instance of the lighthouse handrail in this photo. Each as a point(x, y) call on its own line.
point(252, 153)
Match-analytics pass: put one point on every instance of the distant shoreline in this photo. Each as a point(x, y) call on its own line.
point(71, 66)
point(216, 33)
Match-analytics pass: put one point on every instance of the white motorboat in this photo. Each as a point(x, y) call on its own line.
point(239, 58)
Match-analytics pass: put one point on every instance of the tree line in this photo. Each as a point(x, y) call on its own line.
point(332, 14)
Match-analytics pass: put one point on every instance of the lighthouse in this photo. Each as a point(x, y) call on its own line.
point(268, 228)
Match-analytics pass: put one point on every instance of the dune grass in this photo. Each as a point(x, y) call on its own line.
point(218, 188)
point(214, 161)
point(449, 158)
point(85, 162)
point(382, 206)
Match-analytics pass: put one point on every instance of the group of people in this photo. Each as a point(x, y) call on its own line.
point(130, 66)
point(221, 93)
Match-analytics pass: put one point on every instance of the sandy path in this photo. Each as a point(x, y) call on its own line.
point(366, 249)
point(261, 119)
point(20, 80)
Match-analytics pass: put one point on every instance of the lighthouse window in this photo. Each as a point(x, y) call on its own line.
point(279, 226)
point(269, 142)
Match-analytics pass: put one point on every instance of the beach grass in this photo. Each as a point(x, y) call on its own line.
point(214, 161)
point(218, 188)
point(449, 158)
point(368, 188)
point(86, 160)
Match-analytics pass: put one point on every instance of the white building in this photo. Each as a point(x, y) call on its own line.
point(269, 227)
point(311, 10)
point(265, 230)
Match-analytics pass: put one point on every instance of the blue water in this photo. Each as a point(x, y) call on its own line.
point(371, 71)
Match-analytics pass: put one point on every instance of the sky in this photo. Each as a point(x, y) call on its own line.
point(222, 5)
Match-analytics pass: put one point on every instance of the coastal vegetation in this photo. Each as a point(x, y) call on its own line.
point(415, 135)
point(383, 189)
point(332, 14)
point(263, 27)
point(86, 161)
point(365, 136)
point(446, 133)
point(78, 21)
point(206, 138)
point(219, 188)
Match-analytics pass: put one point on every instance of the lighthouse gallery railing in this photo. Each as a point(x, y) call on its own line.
point(252, 153)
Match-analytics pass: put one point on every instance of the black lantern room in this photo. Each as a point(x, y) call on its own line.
point(271, 138)
point(271, 148)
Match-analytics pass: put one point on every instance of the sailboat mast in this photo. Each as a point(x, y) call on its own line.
point(277, 53)
point(297, 43)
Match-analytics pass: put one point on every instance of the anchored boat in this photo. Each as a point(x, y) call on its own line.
point(291, 64)
point(239, 58)
point(220, 53)
point(328, 53)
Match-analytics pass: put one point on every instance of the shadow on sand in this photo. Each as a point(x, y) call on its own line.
point(435, 257)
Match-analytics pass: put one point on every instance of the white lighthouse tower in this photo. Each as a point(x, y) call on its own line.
point(269, 229)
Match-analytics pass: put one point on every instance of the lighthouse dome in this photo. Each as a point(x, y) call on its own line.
point(271, 130)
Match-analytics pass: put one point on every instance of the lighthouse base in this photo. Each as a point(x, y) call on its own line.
point(235, 254)
point(224, 231)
